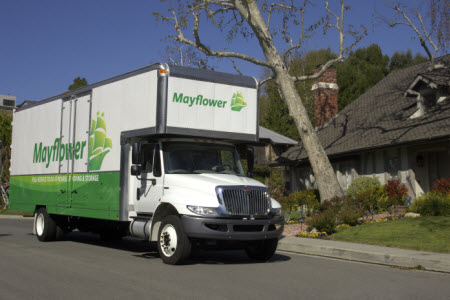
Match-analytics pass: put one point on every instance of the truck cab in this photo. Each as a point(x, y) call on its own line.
point(202, 183)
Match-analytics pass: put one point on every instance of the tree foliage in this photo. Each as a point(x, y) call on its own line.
point(361, 70)
point(402, 60)
point(5, 137)
point(78, 83)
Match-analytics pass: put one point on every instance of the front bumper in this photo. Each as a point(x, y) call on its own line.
point(232, 229)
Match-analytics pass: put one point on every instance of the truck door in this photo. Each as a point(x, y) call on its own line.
point(73, 155)
point(150, 184)
point(63, 154)
point(80, 148)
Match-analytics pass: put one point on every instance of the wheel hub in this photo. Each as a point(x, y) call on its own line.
point(40, 224)
point(168, 240)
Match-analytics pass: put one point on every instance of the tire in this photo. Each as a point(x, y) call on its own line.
point(174, 246)
point(262, 250)
point(45, 226)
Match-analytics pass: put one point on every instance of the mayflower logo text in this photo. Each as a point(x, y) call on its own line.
point(237, 101)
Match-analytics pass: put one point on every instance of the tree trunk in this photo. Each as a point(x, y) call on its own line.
point(326, 179)
point(323, 171)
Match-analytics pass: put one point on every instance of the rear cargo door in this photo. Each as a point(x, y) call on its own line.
point(75, 119)
point(80, 186)
point(64, 151)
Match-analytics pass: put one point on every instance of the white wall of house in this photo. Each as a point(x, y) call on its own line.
point(417, 167)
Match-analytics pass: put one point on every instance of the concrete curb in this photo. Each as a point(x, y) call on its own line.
point(367, 253)
point(14, 217)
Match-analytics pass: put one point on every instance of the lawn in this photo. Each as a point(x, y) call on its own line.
point(424, 233)
point(15, 212)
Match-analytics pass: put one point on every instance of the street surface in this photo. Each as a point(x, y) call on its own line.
point(84, 267)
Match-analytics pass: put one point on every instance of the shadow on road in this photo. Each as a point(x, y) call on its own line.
point(4, 234)
point(144, 249)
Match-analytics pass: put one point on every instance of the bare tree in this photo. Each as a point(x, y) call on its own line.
point(432, 28)
point(252, 18)
point(184, 55)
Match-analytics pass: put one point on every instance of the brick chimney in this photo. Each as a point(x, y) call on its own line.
point(325, 90)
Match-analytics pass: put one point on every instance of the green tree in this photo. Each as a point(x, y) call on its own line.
point(361, 70)
point(78, 83)
point(401, 60)
point(5, 137)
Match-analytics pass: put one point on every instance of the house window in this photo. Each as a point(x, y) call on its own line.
point(7, 102)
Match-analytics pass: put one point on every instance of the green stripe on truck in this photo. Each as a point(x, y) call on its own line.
point(92, 195)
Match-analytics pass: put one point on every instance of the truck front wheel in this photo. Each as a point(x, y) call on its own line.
point(262, 250)
point(45, 226)
point(173, 244)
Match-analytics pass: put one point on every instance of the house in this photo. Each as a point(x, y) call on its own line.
point(271, 145)
point(399, 129)
point(7, 102)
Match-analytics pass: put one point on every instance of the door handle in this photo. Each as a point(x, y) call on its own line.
point(74, 192)
point(62, 191)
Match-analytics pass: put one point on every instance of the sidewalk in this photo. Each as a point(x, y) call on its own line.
point(366, 253)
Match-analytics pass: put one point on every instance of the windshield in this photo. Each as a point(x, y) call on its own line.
point(199, 158)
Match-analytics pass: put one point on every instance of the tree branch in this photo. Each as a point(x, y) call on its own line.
point(274, 6)
point(266, 80)
point(206, 50)
point(340, 27)
point(325, 67)
point(397, 7)
point(430, 40)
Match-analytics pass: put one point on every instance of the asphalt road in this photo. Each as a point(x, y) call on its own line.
point(83, 267)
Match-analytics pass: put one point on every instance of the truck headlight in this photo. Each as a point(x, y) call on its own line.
point(204, 211)
point(277, 211)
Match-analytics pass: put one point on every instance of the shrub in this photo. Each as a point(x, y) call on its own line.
point(368, 200)
point(306, 198)
point(349, 215)
point(324, 221)
point(289, 206)
point(432, 204)
point(361, 184)
point(395, 189)
point(334, 204)
point(396, 192)
point(442, 185)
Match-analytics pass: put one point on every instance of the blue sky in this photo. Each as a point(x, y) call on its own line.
point(45, 44)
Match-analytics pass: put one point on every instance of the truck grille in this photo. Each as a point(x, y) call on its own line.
point(244, 201)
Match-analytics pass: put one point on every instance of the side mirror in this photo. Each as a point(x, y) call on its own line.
point(135, 153)
point(250, 161)
point(136, 170)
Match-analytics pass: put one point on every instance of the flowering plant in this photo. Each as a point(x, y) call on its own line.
point(315, 235)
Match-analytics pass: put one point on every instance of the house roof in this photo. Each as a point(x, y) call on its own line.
point(275, 138)
point(380, 118)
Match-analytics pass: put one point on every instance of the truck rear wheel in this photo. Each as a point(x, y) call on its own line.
point(262, 250)
point(173, 244)
point(45, 226)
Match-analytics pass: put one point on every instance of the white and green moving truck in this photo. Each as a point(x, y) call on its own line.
point(153, 153)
